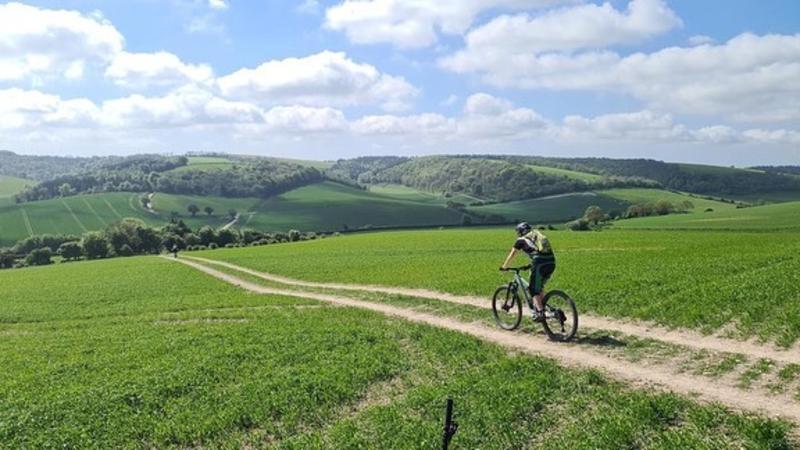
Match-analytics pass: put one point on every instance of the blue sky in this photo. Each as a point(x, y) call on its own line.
point(703, 81)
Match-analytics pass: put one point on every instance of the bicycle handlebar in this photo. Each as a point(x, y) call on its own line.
point(515, 269)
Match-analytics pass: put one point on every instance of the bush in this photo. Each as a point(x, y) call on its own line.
point(213, 246)
point(95, 245)
point(294, 235)
point(39, 257)
point(125, 250)
point(7, 259)
point(579, 225)
point(709, 209)
point(70, 251)
point(230, 245)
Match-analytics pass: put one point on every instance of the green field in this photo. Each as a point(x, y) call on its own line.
point(70, 215)
point(11, 185)
point(779, 216)
point(553, 209)
point(147, 353)
point(330, 206)
point(205, 163)
point(695, 279)
point(164, 204)
point(637, 195)
point(583, 176)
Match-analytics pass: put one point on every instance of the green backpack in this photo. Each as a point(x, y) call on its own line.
point(539, 241)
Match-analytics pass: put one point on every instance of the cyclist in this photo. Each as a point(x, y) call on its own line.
point(543, 262)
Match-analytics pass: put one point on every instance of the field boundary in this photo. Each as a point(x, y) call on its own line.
point(684, 338)
point(111, 207)
point(27, 220)
point(91, 208)
point(78, 221)
point(691, 386)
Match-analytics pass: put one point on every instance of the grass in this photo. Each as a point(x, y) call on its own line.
point(780, 216)
point(553, 209)
point(575, 175)
point(11, 185)
point(205, 163)
point(330, 206)
point(143, 352)
point(164, 204)
point(640, 195)
point(70, 215)
point(688, 279)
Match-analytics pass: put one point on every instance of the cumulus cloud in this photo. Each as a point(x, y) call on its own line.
point(39, 42)
point(29, 109)
point(748, 78)
point(427, 124)
point(413, 23)
point(324, 79)
point(140, 70)
point(218, 4)
point(638, 126)
point(566, 29)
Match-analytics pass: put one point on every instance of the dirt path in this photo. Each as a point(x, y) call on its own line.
point(568, 354)
point(232, 222)
point(685, 338)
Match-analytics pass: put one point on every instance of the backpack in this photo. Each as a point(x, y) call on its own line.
point(539, 241)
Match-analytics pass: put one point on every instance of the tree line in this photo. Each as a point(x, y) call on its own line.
point(131, 237)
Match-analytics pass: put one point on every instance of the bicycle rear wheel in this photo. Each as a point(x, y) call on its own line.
point(507, 308)
point(560, 316)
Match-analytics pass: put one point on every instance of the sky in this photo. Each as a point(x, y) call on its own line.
point(711, 81)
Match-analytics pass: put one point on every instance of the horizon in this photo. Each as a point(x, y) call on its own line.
point(337, 79)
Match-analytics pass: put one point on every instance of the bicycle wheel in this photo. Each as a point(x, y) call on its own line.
point(560, 316)
point(507, 308)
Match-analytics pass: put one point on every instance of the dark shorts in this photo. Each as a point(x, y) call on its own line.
point(542, 270)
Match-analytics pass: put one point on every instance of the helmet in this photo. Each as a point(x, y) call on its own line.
point(523, 229)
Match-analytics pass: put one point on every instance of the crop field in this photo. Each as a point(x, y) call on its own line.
point(11, 185)
point(331, 206)
point(144, 352)
point(583, 176)
point(696, 279)
point(553, 209)
point(74, 215)
point(778, 216)
point(635, 195)
point(205, 163)
point(164, 204)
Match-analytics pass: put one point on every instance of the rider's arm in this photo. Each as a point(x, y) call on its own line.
point(510, 256)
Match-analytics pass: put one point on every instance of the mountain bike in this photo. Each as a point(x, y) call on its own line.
point(560, 314)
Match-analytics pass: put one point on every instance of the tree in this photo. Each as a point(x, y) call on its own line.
point(39, 257)
point(7, 259)
point(66, 190)
point(663, 207)
point(227, 236)
point(466, 220)
point(294, 235)
point(170, 240)
point(594, 214)
point(232, 213)
point(579, 225)
point(70, 251)
point(95, 245)
point(193, 209)
point(207, 235)
point(208, 210)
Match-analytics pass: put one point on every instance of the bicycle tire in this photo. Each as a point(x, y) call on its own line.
point(567, 328)
point(509, 304)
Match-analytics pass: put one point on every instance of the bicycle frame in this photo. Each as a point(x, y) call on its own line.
point(520, 282)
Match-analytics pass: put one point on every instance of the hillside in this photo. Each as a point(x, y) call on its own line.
point(11, 185)
point(780, 216)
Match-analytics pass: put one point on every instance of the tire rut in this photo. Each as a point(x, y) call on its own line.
point(684, 338)
point(566, 354)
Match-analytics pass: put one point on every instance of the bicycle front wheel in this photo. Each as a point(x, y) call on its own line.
point(507, 308)
point(560, 316)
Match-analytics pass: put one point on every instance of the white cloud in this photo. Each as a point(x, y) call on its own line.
point(420, 124)
point(305, 119)
point(645, 126)
point(323, 79)
point(308, 7)
point(37, 42)
point(701, 39)
point(566, 29)
point(218, 4)
point(484, 116)
point(413, 23)
point(28, 109)
point(139, 70)
point(748, 78)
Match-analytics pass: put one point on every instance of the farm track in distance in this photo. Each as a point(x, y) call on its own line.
point(688, 384)
point(684, 338)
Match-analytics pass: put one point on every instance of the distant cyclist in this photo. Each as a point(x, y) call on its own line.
point(543, 262)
